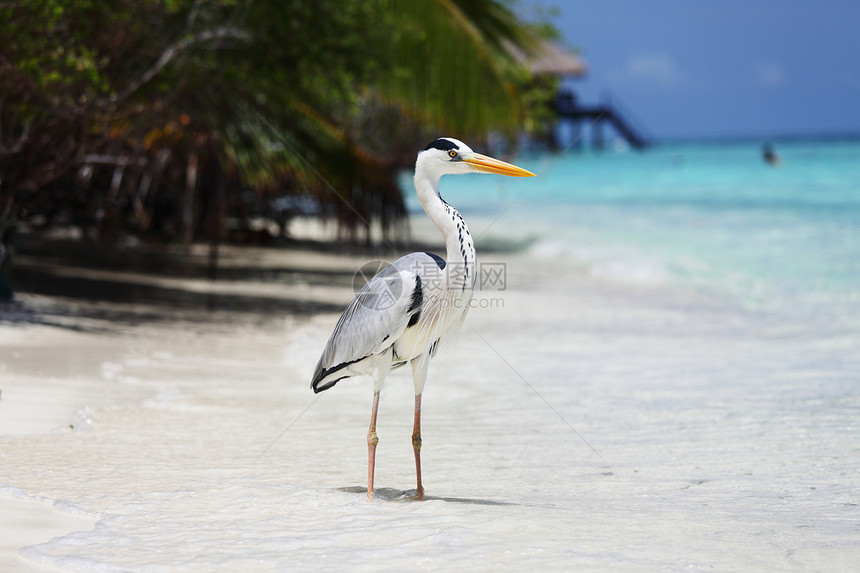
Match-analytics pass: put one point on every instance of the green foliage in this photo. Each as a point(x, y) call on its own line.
point(123, 99)
point(448, 66)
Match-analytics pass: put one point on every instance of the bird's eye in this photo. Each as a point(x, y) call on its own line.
point(452, 154)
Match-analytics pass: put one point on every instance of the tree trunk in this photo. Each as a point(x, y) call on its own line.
point(188, 206)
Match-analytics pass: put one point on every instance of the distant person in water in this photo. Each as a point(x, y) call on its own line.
point(770, 156)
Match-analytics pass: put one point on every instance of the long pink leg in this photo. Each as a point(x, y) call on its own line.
point(372, 440)
point(416, 446)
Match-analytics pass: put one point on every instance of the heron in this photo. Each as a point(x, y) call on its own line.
point(401, 314)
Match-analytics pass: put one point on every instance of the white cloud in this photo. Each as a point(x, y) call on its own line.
point(655, 68)
point(768, 73)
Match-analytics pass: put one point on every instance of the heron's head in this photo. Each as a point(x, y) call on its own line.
point(449, 156)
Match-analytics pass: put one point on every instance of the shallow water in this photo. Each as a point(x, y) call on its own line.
point(712, 216)
point(608, 412)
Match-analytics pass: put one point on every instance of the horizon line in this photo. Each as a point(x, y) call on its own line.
point(784, 137)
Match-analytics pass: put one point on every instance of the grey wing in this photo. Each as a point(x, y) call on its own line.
point(376, 317)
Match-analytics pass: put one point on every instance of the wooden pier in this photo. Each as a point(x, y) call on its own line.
point(595, 117)
point(554, 60)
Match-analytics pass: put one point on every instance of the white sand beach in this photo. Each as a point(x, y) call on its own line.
point(580, 423)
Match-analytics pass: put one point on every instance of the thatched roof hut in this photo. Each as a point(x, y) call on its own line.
point(553, 59)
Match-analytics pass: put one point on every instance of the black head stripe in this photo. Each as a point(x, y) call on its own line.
point(443, 144)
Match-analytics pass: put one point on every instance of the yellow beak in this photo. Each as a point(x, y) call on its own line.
point(489, 165)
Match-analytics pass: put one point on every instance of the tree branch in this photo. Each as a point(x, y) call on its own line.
point(17, 143)
point(117, 160)
point(175, 49)
point(192, 16)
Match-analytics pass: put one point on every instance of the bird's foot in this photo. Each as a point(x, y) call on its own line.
point(412, 495)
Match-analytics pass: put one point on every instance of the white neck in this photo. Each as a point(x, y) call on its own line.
point(461, 259)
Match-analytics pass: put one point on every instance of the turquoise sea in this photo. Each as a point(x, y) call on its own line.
point(711, 215)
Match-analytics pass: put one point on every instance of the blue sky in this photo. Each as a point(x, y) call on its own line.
point(701, 68)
